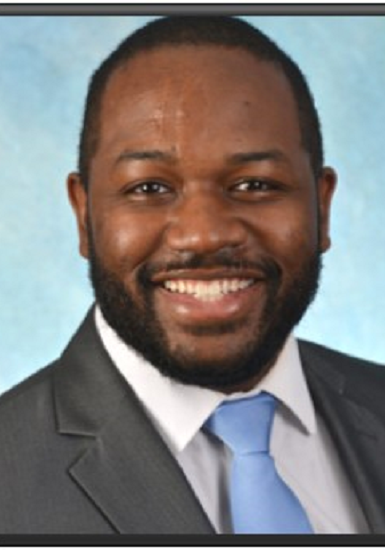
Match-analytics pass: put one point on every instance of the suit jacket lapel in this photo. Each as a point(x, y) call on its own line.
point(133, 479)
point(126, 469)
point(358, 432)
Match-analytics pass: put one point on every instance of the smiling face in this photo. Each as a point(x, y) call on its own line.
point(203, 221)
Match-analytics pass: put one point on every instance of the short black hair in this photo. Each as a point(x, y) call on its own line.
point(198, 30)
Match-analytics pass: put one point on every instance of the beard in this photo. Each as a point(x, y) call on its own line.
point(135, 320)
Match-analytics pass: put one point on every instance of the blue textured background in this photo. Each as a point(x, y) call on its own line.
point(45, 66)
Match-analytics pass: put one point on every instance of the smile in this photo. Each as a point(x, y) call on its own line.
point(207, 291)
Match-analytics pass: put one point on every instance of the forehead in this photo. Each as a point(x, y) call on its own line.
point(206, 91)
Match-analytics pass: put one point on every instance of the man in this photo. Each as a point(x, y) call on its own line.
point(202, 205)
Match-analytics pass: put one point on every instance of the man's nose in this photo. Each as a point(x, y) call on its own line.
point(205, 223)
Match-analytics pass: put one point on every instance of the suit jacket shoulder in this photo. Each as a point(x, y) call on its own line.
point(37, 495)
point(347, 375)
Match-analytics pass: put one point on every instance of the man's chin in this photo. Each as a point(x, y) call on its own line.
point(223, 368)
point(213, 331)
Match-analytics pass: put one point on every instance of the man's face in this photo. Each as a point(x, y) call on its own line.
point(203, 222)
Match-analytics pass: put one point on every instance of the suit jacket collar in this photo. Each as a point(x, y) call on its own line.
point(125, 469)
point(354, 424)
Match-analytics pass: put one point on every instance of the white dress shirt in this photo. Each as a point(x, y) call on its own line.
point(300, 444)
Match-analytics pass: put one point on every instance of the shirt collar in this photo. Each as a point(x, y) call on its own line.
point(179, 410)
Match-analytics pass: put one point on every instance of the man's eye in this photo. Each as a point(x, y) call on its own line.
point(251, 185)
point(150, 188)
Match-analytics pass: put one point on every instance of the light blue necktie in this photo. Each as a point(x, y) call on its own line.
point(261, 502)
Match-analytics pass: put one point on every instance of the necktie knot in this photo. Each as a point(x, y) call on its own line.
point(244, 424)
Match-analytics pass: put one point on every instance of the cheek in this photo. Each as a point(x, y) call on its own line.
point(124, 242)
point(290, 233)
point(297, 236)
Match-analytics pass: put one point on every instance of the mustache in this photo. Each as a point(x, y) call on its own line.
point(221, 259)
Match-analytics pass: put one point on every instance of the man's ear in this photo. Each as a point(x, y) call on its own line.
point(326, 185)
point(78, 198)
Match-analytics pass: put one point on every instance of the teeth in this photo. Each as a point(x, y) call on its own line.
point(189, 287)
point(208, 290)
point(173, 286)
point(234, 285)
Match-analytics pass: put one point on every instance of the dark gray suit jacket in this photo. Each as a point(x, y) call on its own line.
point(79, 456)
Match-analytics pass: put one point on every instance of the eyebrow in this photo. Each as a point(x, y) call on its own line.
point(257, 156)
point(152, 154)
point(234, 159)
